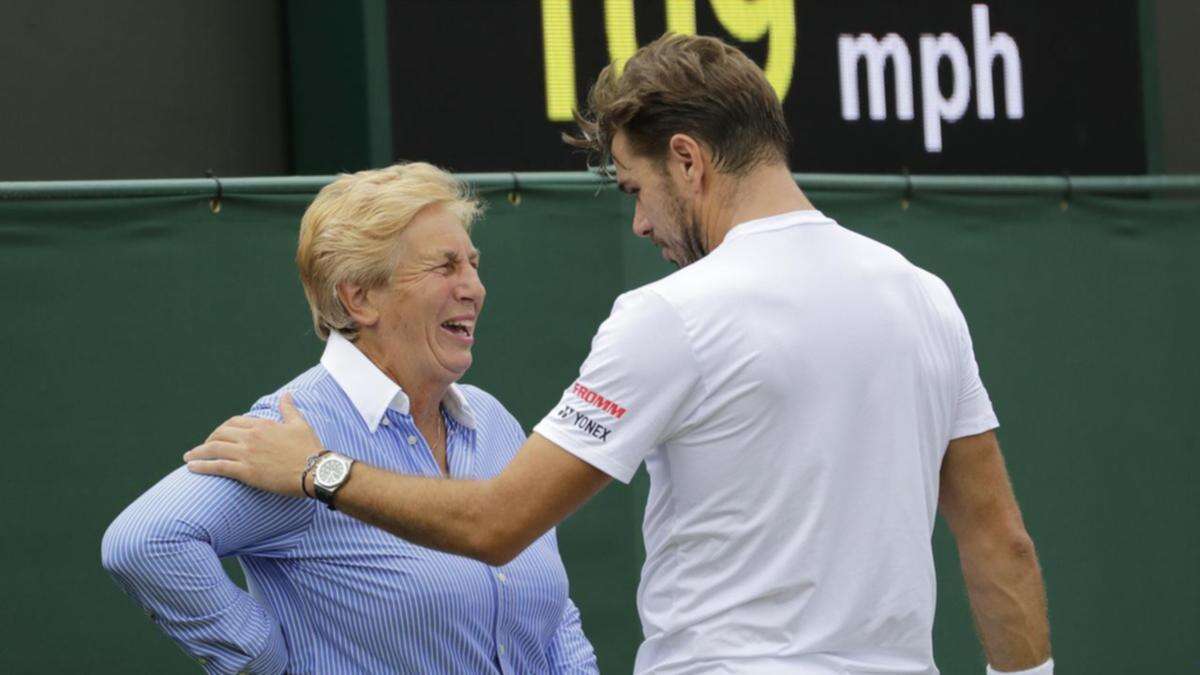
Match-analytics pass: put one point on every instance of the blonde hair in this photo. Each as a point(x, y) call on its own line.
point(350, 232)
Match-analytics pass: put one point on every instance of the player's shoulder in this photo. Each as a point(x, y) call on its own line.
point(940, 299)
point(676, 294)
point(691, 280)
point(932, 281)
point(638, 315)
point(870, 253)
point(891, 264)
point(935, 287)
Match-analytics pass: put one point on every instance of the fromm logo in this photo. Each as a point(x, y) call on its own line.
point(589, 396)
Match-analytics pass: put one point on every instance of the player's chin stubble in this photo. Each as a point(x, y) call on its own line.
point(691, 237)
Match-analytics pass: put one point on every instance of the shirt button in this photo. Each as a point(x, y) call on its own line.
point(500, 577)
point(412, 440)
point(501, 650)
point(385, 422)
point(202, 661)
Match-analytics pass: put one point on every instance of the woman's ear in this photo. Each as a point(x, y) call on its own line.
point(357, 301)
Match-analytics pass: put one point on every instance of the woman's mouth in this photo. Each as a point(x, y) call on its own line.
point(461, 329)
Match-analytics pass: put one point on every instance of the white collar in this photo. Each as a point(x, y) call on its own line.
point(776, 222)
point(372, 392)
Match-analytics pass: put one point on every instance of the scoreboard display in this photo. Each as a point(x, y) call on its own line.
point(929, 86)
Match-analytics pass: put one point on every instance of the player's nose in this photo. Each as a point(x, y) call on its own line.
point(641, 224)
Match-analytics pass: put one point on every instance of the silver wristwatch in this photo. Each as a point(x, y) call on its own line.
point(329, 475)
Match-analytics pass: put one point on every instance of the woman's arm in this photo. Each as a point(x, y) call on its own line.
point(164, 550)
point(570, 652)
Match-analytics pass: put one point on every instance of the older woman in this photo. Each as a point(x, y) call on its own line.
point(392, 279)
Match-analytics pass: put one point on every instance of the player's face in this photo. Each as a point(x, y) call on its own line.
point(429, 310)
point(661, 212)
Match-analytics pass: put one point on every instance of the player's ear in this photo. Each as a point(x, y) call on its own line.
point(689, 158)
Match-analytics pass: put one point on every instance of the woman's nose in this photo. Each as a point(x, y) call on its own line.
point(471, 289)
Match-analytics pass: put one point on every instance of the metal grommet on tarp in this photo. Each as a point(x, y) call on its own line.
point(514, 193)
point(214, 204)
point(908, 188)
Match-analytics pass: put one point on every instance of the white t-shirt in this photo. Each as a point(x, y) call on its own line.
point(792, 395)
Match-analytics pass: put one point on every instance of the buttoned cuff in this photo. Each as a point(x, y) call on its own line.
point(1046, 668)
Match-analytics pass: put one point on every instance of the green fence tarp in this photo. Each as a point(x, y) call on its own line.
point(134, 325)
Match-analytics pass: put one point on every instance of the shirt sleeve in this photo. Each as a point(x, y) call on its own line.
point(164, 550)
point(637, 388)
point(973, 412)
point(570, 652)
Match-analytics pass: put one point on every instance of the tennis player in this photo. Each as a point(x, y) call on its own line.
point(804, 400)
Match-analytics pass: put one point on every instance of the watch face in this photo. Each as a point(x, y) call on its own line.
point(331, 471)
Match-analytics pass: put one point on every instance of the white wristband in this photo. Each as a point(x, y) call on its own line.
point(1046, 668)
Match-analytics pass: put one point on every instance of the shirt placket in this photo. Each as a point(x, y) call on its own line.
point(460, 446)
point(501, 583)
point(419, 452)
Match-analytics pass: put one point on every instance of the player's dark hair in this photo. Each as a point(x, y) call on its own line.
point(687, 84)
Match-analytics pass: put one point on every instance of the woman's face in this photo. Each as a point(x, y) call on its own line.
point(427, 314)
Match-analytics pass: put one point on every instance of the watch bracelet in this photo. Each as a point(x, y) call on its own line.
point(308, 467)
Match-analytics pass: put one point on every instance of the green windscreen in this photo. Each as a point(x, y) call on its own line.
point(134, 326)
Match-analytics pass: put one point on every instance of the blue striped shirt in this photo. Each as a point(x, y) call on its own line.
point(330, 594)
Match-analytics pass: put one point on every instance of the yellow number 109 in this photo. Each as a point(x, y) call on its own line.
point(746, 20)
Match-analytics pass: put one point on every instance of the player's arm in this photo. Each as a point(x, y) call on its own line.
point(640, 365)
point(490, 520)
point(999, 563)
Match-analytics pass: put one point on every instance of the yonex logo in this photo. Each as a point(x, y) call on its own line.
point(583, 422)
point(594, 398)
